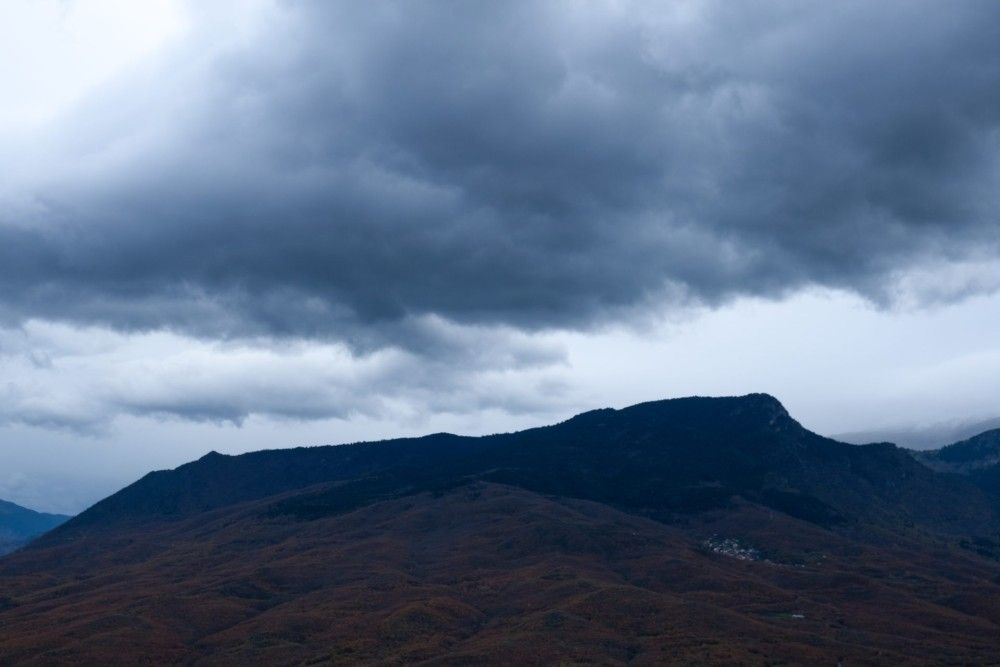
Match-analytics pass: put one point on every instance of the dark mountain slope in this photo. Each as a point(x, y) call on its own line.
point(18, 525)
point(975, 453)
point(660, 458)
point(978, 458)
point(701, 530)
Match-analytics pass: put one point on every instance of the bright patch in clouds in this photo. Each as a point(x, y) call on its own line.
point(52, 52)
point(83, 379)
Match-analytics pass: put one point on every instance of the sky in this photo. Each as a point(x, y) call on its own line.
point(237, 225)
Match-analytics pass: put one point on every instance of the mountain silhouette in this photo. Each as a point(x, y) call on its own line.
point(696, 529)
point(922, 438)
point(657, 458)
point(977, 457)
point(18, 525)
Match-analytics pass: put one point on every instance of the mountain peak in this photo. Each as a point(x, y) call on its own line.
point(763, 399)
point(744, 411)
point(765, 403)
point(769, 406)
point(756, 401)
point(731, 413)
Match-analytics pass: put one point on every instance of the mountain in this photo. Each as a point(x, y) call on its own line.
point(658, 459)
point(698, 530)
point(18, 525)
point(928, 437)
point(977, 457)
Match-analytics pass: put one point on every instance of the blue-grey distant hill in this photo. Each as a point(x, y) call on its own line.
point(921, 438)
point(977, 457)
point(19, 525)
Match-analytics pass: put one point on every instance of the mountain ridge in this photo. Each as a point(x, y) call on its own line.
point(696, 530)
point(704, 450)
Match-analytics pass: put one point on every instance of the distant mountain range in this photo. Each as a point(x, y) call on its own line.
point(927, 437)
point(699, 530)
point(977, 457)
point(18, 525)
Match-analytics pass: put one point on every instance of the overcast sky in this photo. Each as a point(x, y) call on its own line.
point(235, 225)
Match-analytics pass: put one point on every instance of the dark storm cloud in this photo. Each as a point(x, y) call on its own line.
point(354, 169)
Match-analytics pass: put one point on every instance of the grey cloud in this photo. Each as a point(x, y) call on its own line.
point(62, 377)
point(354, 170)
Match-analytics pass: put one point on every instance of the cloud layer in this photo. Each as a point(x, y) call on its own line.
point(341, 172)
point(58, 376)
point(316, 209)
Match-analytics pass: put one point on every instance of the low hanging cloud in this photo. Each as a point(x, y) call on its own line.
point(346, 173)
point(63, 377)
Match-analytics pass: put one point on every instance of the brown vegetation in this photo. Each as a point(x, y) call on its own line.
point(492, 574)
